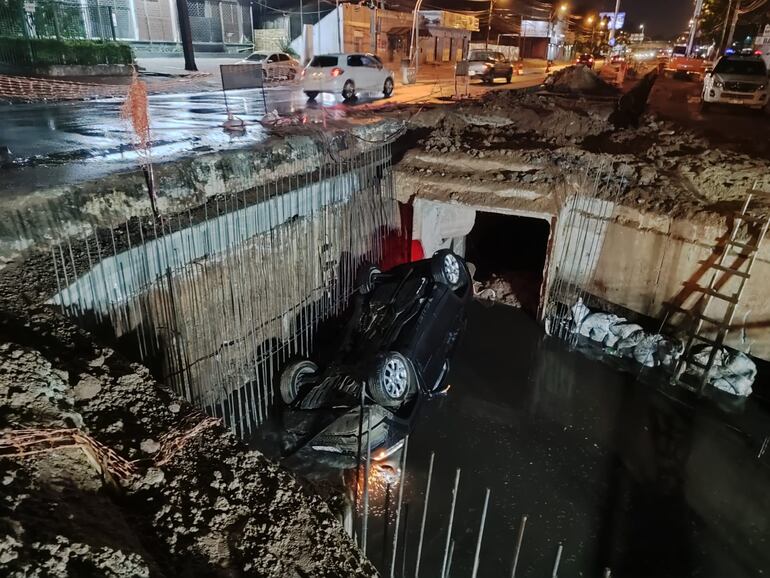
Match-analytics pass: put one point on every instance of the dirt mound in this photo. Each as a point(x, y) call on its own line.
point(139, 483)
point(579, 80)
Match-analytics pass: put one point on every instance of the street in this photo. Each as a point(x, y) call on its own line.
point(69, 142)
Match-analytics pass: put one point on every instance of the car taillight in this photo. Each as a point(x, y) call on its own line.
point(336, 71)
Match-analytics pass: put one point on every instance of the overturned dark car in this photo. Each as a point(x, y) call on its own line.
point(394, 353)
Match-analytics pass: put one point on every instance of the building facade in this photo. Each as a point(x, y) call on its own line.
point(213, 23)
point(442, 36)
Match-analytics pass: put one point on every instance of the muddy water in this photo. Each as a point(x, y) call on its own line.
point(625, 476)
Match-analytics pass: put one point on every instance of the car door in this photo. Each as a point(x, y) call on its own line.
point(501, 65)
point(270, 66)
point(375, 72)
point(359, 72)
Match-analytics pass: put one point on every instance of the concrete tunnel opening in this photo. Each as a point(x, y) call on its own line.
point(510, 253)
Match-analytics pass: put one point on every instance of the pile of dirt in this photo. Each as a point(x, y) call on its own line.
point(133, 481)
point(579, 80)
point(533, 146)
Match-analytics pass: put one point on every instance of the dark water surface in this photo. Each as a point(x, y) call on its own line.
point(624, 475)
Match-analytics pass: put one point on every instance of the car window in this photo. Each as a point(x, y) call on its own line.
point(500, 56)
point(355, 60)
point(480, 55)
point(256, 57)
point(272, 58)
point(735, 66)
point(370, 62)
point(323, 61)
point(283, 57)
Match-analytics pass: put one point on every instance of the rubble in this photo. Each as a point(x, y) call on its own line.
point(213, 508)
point(518, 145)
point(579, 80)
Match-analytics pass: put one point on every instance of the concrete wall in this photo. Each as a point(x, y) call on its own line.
point(639, 261)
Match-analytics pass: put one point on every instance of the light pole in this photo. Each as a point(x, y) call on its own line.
point(591, 22)
point(614, 23)
point(554, 14)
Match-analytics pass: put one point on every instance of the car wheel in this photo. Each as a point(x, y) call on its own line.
point(704, 106)
point(311, 94)
point(446, 268)
point(387, 88)
point(392, 380)
point(292, 378)
point(508, 77)
point(349, 90)
point(366, 277)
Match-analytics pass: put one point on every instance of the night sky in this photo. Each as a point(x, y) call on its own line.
point(661, 18)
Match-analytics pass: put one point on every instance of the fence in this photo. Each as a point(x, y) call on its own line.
point(90, 19)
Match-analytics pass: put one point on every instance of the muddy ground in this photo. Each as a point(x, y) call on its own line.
point(538, 145)
point(180, 496)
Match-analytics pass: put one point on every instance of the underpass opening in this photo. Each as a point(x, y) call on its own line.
point(510, 253)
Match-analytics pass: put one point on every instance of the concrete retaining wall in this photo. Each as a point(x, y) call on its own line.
point(641, 261)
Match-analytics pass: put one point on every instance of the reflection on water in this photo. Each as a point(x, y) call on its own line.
point(625, 476)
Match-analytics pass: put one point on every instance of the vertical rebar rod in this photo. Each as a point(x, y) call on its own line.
point(481, 535)
point(424, 515)
point(386, 524)
point(449, 560)
point(451, 521)
point(398, 507)
point(517, 550)
point(556, 562)
point(365, 523)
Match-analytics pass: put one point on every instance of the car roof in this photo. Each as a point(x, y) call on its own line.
point(746, 57)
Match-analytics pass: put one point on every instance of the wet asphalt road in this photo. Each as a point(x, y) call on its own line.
point(622, 475)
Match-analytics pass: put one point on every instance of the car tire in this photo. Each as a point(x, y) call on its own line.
point(365, 278)
point(311, 94)
point(387, 88)
point(348, 91)
point(392, 380)
point(446, 268)
point(290, 380)
point(508, 77)
point(704, 106)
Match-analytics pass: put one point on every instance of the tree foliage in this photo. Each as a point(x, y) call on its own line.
point(713, 19)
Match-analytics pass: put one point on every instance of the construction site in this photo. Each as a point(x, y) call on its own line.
point(603, 413)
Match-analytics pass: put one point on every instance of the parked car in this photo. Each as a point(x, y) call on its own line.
point(275, 65)
point(739, 80)
point(487, 65)
point(585, 59)
point(347, 75)
point(394, 353)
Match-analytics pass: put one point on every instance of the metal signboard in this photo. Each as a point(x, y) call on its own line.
point(610, 18)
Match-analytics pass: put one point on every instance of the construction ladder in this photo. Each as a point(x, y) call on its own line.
point(714, 296)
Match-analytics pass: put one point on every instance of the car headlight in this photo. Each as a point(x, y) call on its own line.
point(762, 87)
point(719, 83)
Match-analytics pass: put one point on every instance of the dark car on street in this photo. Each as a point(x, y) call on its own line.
point(487, 65)
point(585, 59)
point(394, 353)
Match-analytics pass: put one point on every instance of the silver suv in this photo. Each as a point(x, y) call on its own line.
point(740, 80)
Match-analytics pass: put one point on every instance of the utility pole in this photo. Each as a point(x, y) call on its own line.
point(695, 26)
point(614, 23)
point(185, 33)
point(489, 24)
point(733, 24)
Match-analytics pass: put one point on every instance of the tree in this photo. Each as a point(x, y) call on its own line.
point(713, 19)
